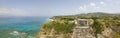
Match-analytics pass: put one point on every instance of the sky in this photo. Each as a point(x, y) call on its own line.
point(56, 7)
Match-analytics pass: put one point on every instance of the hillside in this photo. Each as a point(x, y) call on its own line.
point(103, 23)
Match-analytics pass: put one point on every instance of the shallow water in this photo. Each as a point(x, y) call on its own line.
point(21, 27)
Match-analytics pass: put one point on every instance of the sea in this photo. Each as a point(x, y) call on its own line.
point(21, 27)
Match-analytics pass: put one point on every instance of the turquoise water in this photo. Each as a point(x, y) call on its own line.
point(21, 27)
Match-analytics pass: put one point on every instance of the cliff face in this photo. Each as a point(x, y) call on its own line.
point(107, 33)
point(103, 26)
point(49, 31)
point(56, 29)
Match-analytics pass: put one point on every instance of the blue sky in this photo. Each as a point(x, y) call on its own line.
point(56, 7)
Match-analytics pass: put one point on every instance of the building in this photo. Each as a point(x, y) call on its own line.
point(83, 29)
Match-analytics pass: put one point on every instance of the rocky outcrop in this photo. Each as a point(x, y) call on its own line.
point(81, 30)
point(107, 33)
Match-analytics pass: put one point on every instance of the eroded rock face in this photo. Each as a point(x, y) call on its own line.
point(83, 29)
point(82, 33)
point(107, 32)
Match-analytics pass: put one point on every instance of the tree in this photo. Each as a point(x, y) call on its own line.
point(97, 27)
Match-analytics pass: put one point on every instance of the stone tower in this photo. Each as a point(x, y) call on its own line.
point(83, 29)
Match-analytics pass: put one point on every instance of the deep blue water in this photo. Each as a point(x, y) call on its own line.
point(21, 27)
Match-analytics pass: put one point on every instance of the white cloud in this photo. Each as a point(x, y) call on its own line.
point(96, 7)
point(92, 4)
point(13, 12)
point(87, 7)
point(102, 2)
point(108, 0)
point(83, 8)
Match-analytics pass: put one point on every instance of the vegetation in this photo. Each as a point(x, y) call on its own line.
point(116, 35)
point(101, 21)
point(63, 28)
point(97, 27)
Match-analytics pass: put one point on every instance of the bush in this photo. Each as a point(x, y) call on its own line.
point(59, 27)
